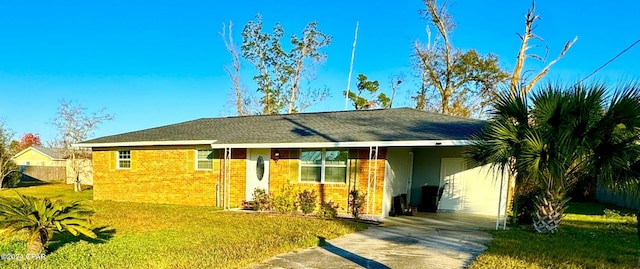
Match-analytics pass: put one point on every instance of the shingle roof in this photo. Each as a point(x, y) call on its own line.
point(54, 153)
point(399, 124)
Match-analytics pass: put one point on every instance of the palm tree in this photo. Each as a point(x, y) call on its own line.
point(559, 136)
point(41, 218)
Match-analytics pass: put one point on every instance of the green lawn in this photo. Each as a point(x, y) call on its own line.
point(587, 239)
point(136, 235)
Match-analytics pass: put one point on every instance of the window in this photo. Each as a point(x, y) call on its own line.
point(323, 165)
point(124, 159)
point(204, 159)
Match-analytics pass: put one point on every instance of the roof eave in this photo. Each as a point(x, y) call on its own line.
point(357, 144)
point(144, 143)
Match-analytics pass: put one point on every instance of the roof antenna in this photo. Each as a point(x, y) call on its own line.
point(353, 52)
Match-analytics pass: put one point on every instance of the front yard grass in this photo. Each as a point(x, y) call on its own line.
point(137, 235)
point(588, 238)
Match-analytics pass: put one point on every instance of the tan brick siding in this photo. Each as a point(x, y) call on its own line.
point(156, 176)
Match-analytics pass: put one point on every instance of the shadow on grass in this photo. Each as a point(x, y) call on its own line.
point(595, 209)
point(345, 254)
point(31, 183)
point(103, 234)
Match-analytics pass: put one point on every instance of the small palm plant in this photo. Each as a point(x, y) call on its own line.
point(41, 218)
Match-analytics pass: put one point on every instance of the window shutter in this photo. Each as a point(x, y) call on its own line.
point(191, 160)
point(294, 170)
point(112, 160)
point(134, 160)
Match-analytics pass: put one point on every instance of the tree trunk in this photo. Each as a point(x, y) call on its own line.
point(445, 104)
point(35, 244)
point(77, 187)
point(549, 213)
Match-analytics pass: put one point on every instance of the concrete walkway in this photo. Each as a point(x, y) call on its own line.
point(428, 240)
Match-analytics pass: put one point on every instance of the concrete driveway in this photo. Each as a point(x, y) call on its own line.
point(427, 240)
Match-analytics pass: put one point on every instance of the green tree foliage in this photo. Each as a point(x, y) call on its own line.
point(41, 218)
point(454, 81)
point(561, 136)
point(370, 88)
point(281, 71)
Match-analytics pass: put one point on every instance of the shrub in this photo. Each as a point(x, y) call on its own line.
point(356, 202)
point(285, 201)
point(327, 211)
point(262, 199)
point(307, 201)
point(11, 180)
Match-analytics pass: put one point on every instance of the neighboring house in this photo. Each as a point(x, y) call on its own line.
point(51, 164)
point(40, 156)
point(40, 163)
point(220, 161)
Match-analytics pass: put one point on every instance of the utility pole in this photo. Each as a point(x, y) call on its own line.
point(353, 52)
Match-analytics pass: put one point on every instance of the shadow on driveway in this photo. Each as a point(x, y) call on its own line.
point(423, 241)
point(355, 258)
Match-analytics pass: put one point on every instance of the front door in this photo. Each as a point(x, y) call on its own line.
point(450, 178)
point(257, 171)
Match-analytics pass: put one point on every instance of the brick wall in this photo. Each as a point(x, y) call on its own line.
point(157, 175)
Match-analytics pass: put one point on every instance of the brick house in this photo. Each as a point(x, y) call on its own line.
point(220, 161)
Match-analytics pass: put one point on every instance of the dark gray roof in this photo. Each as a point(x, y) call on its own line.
point(398, 124)
point(54, 153)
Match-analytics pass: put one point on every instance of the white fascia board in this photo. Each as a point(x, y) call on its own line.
point(144, 143)
point(360, 144)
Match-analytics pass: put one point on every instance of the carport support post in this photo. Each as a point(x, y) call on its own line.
point(369, 179)
point(371, 200)
point(227, 178)
point(506, 202)
point(500, 202)
point(375, 179)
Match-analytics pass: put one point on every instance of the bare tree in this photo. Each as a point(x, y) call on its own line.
point(234, 72)
point(459, 79)
point(395, 80)
point(75, 125)
point(517, 81)
point(6, 162)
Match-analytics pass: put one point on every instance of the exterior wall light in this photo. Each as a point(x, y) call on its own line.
point(276, 156)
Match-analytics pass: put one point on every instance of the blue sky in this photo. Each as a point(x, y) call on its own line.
point(160, 62)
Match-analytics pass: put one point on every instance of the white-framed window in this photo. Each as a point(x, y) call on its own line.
point(323, 165)
point(124, 159)
point(204, 159)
